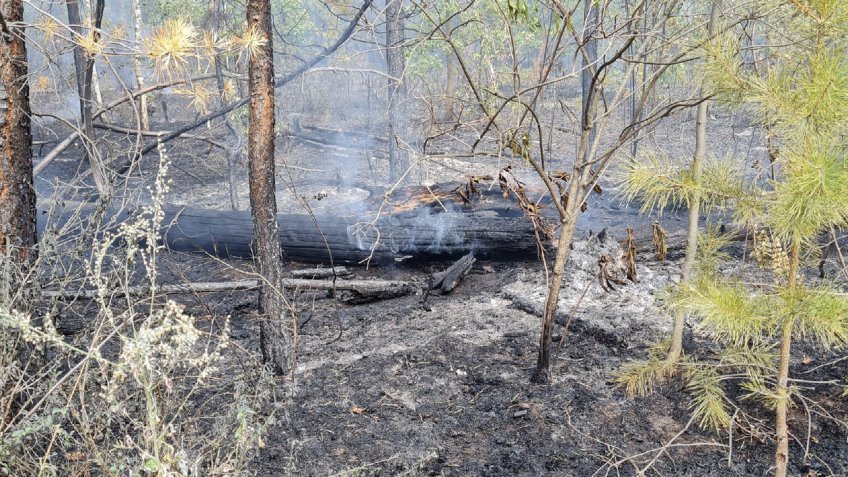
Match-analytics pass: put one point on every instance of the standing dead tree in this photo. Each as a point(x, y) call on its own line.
point(274, 340)
point(17, 194)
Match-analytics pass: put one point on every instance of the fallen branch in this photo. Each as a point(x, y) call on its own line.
point(363, 287)
point(196, 287)
point(313, 273)
point(337, 138)
point(137, 132)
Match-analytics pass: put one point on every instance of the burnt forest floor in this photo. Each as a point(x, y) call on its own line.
point(396, 388)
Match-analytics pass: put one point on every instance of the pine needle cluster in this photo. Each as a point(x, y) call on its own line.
point(172, 46)
point(659, 182)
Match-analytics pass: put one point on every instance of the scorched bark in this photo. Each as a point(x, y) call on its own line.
point(273, 335)
point(17, 195)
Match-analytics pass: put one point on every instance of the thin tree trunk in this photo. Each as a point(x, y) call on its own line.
point(395, 65)
point(589, 60)
point(17, 194)
point(84, 66)
point(647, 100)
point(568, 215)
point(631, 88)
point(274, 339)
point(139, 76)
point(542, 374)
point(89, 80)
point(95, 86)
point(233, 152)
point(781, 454)
point(96, 18)
point(676, 347)
point(450, 86)
point(569, 211)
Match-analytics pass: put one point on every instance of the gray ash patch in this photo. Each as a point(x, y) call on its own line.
point(631, 309)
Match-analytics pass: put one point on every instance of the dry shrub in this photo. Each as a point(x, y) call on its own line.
point(142, 390)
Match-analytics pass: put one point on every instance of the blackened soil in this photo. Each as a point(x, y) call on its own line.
point(391, 389)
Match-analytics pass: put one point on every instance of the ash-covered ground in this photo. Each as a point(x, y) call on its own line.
point(396, 388)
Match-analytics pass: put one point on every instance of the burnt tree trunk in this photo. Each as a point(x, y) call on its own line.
point(395, 65)
point(17, 195)
point(420, 235)
point(274, 338)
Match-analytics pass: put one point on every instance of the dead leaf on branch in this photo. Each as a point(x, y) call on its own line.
point(660, 246)
point(561, 175)
point(605, 278)
point(630, 255)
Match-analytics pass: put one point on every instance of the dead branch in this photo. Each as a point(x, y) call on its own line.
point(130, 131)
point(362, 287)
point(61, 146)
point(313, 273)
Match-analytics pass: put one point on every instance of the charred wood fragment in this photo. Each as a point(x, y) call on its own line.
point(374, 288)
point(444, 282)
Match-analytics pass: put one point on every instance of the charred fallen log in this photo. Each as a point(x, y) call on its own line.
point(343, 239)
point(336, 137)
point(423, 234)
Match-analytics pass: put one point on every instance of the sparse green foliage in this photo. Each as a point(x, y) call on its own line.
point(639, 378)
point(709, 402)
point(799, 92)
point(813, 194)
point(659, 182)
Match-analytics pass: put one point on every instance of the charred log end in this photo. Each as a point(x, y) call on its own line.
point(447, 280)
